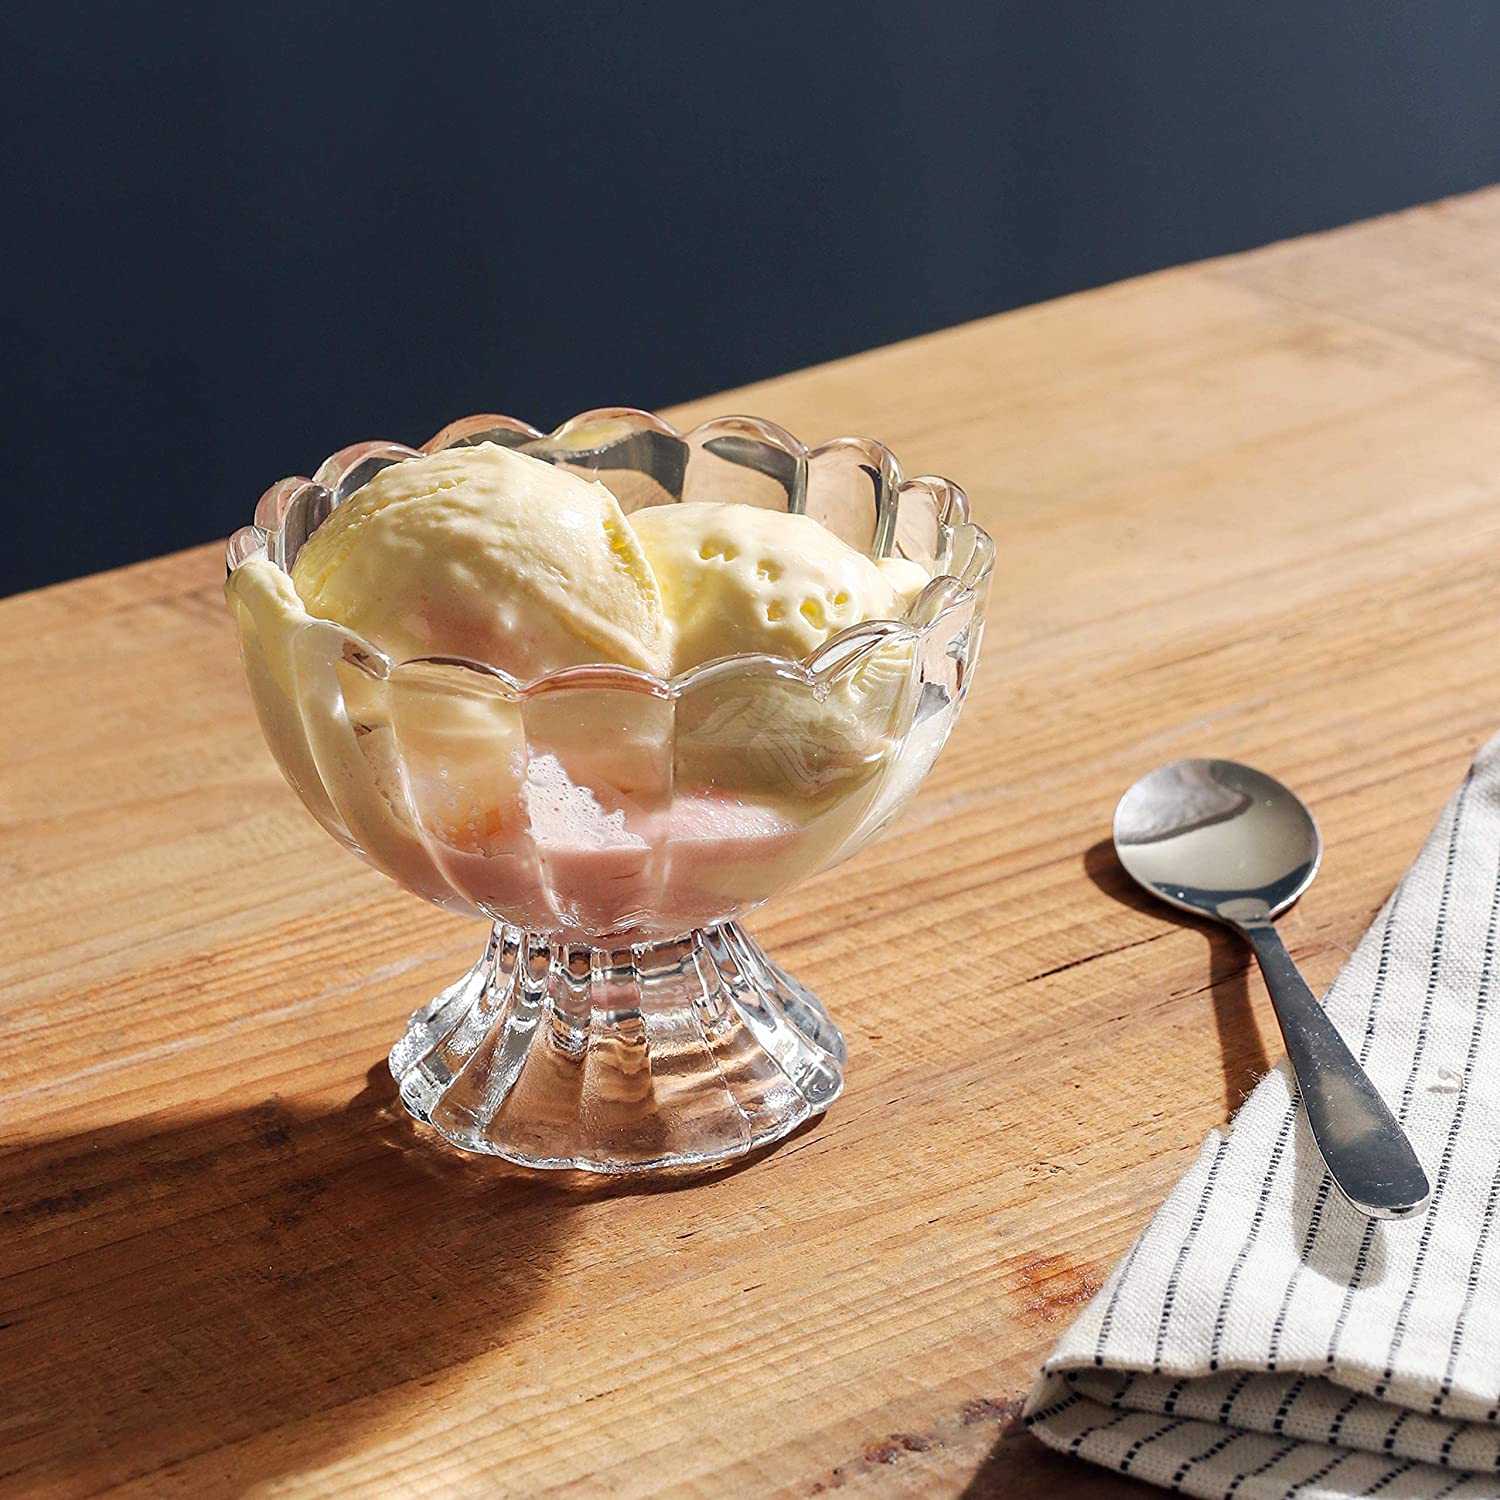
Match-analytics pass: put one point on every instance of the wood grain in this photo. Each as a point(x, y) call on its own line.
point(1248, 508)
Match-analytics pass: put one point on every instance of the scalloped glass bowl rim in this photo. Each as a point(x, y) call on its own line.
point(942, 595)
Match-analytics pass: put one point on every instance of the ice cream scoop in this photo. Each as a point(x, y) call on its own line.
point(486, 553)
point(736, 578)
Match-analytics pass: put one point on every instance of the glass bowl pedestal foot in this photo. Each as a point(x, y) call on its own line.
point(620, 1057)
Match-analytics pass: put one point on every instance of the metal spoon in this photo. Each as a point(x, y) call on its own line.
point(1228, 842)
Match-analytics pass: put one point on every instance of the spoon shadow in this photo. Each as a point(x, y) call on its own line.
point(1242, 1052)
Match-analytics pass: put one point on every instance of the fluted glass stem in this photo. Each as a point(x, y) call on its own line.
point(620, 1059)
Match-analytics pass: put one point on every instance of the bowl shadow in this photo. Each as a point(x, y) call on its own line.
point(173, 1289)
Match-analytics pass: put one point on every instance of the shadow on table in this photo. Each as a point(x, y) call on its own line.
point(1340, 1246)
point(1241, 1051)
point(1021, 1466)
point(170, 1290)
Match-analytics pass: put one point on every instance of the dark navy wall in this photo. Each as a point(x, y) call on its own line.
point(239, 236)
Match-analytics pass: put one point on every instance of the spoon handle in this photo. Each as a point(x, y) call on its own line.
point(1365, 1149)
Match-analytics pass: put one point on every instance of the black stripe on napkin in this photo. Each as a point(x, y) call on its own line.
point(1481, 1010)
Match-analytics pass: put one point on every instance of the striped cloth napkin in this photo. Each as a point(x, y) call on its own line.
point(1263, 1339)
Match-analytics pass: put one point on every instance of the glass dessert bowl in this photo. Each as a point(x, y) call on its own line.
point(614, 825)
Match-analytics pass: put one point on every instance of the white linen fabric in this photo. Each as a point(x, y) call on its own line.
point(1263, 1339)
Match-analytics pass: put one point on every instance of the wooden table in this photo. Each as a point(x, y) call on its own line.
point(1247, 508)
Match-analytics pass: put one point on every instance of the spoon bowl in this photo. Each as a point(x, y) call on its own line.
point(1217, 838)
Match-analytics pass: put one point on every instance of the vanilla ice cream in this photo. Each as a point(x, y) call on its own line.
point(593, 807)
point(736, 578)
point(486, 553)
